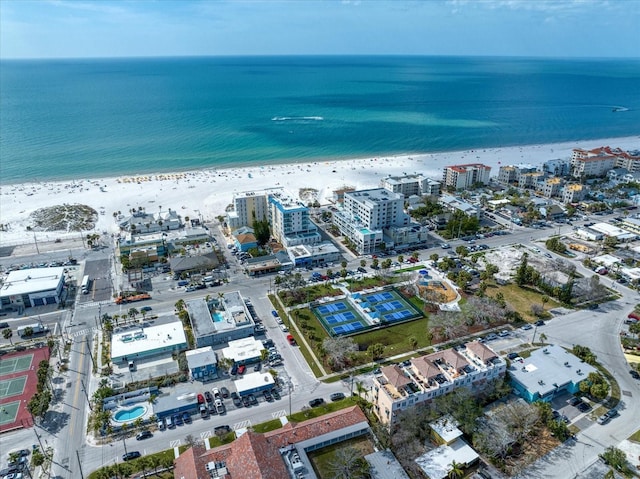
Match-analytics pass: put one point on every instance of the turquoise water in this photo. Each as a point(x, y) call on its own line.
point(91, 118)
point(129, 414)
point(217, 317)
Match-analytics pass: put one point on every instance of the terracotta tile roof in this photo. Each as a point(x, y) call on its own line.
point(482, 352)
point(257, 456)
point(246, 238)
point(425, 367)
point(395, 376)
point(463, 168)
point(188, 467)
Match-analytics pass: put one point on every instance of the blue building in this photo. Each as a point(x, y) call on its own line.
point(203, 363)
point(244, 239)
point(549, 371)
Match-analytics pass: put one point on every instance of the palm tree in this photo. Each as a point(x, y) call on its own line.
point(543, 338)
point(7, 334)
point(456, 470)
point(179, 305)
point(360, 388)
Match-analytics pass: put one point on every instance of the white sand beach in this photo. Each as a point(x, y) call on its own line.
point(206, 193)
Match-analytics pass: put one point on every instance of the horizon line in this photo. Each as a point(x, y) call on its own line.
point(319, 55)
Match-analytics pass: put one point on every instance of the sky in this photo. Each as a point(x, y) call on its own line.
point(134, 28)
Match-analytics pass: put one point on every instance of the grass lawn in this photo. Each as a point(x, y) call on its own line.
point(324, 409)
point(521, 299)
point(407, 270)
point(267, 426)
point(635, 436)
point(322, 459)
point(396, 339)
point(163, 457)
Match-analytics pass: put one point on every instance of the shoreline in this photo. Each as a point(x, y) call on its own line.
point(321, 159)
point(207, 192)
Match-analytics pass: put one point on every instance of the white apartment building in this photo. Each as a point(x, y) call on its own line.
point(248, 207)
point(398, 388)
point(573, 193)
point(290, 222)
point(461, 177)
point(622, 159)
point(365, 213)
point(411, 185)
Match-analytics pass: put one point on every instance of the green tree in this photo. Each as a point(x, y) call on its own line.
point(522, 271)
point(261, 232)
point(180, 305)
point(363, 263)
point(455, 470)
point(375, 351)
point(434, 257)
point(133, 312)
point(7, 334)
point(615, 458)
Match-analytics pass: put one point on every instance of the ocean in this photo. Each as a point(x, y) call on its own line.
point(93, 118)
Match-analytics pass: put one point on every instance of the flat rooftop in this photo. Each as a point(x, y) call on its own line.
point(547, 367)
point(142, 340)
point(231, 314)
point(32, 280)
point(244, 349)
point(251, 381)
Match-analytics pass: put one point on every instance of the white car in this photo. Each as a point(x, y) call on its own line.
point(284, 328)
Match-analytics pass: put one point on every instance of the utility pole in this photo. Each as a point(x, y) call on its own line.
point(289, 384)
point(93, 364)
point(79, 465)
point(84, 390)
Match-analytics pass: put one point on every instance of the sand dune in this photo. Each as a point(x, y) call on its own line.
point(207, 192)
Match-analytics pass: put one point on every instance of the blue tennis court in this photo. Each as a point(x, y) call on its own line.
point(347, 328)
point(378, 297)
point(340, 317)
point(331, 308)
point(398, 315)
point(390, 306)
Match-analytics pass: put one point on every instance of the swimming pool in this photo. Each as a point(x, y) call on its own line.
point(218, 317)
point(128, 414)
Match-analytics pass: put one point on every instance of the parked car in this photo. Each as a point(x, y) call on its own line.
point(503, 334)
point(186, 417)
point(603, 419)
point(177, 419)
point(131, 455)
point(274, 313)
point(583, 407)
point(224, 392)
point(527, 327)
point(216, 393)
point(267, 395)
point(574, 401)
point(634, 374)
point(275, 394)
point(143, 435)
point(512, 356)
point(241, 369)
point(246, 402)
point(208, 396)
point(161, 425)
point(234, 369)
point(337, 396)
point(224, 429)
point(316, 402)
point(253, 400)
point(539, 323)
point(257, 367)
point(200, 399)
point(237, 402)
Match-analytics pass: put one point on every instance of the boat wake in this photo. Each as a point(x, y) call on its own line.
point(620, 108)
point(297, 118)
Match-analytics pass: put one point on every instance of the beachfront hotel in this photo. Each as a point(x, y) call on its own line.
point(365, 213)
point(630, 160)
point(410, 185)
point(290, 222)
point(460, 177)
point(248, 206)
point(398, 388)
